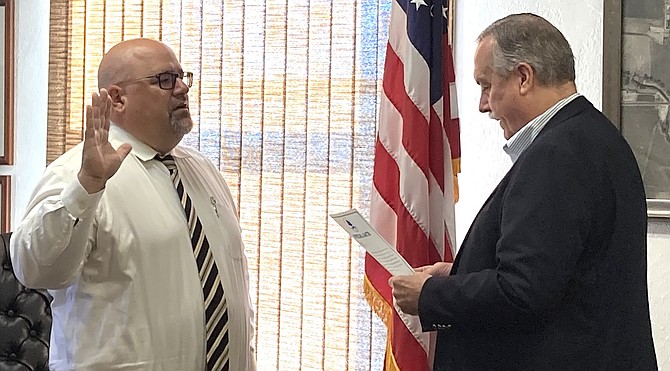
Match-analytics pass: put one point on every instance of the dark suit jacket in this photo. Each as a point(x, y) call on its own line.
point(552, 274)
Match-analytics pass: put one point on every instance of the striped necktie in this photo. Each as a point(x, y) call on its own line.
point(216, 310)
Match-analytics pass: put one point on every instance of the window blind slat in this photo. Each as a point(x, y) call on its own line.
point(284, 102)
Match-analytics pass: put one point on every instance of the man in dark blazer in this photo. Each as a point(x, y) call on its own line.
point(553, 272)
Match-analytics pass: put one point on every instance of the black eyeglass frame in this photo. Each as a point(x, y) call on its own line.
point(186, 77)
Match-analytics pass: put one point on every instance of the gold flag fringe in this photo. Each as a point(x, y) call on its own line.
point(456, 168)
point(389, 361)
point(384, 311)
point(377, 302)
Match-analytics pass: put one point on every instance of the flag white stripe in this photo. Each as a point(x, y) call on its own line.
point(417, 74)
point(413, 183)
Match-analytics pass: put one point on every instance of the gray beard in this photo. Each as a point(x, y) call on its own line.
point(181, 123)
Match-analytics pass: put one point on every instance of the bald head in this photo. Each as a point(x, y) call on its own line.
point(126, 60)
point(144, 104)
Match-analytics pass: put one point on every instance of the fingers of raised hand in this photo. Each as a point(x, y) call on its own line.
point(108, 111)
point(102, 100)
point(90, 124)
point(97, 114)
point(105, 108)
point(94, 99)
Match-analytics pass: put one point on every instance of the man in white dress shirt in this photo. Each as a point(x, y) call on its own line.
point(107, 234)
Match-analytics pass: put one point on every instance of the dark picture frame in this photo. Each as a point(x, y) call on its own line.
point(7, 83)
point(5, 203)
point(636, 93)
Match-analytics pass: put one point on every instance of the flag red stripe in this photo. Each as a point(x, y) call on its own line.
point(379, 278)
point(404, 343)
point(436, 149)
point(410, 235)
point(415, 125)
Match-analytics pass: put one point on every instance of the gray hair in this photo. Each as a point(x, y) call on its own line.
point(531, 39)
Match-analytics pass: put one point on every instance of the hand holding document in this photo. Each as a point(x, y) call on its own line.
point(359, 228)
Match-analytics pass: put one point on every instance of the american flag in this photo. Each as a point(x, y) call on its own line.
point(417, 156)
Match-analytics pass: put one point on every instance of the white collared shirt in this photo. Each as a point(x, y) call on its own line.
point(527, 134)
point(120, 266)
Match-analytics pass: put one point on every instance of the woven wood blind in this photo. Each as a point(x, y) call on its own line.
point(285, 104)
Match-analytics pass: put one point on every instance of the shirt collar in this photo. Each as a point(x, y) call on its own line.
point(527, 134)
point(141, 150)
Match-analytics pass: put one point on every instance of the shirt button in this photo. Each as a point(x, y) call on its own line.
point(33, 333)
point(10, 313)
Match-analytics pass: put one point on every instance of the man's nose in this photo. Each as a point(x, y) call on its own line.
point(484, 104)
point(180, 87)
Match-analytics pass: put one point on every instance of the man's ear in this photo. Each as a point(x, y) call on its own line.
point(118, 98)
point(526, 77)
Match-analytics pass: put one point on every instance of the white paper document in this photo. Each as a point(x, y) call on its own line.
point(359, 228)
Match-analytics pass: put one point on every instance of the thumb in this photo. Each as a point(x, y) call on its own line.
point(124, 150)
point(422, 268)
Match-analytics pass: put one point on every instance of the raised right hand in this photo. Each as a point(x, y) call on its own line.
point(100, 160)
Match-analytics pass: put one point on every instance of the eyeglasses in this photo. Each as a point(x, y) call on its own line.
point(166, 80)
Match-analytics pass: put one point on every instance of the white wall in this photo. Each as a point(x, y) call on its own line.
point(30, 100)
point(483, 161)
point(659, 287)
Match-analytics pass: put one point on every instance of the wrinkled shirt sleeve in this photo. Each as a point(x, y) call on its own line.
point(50, 245)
